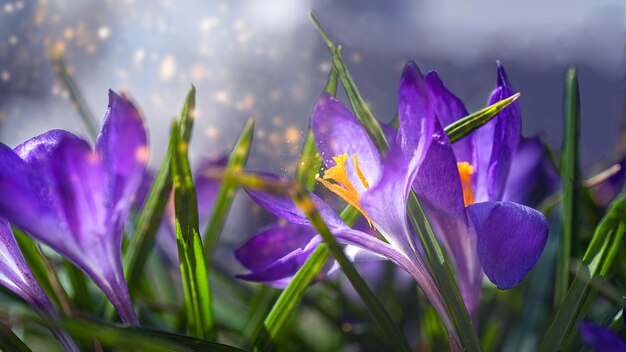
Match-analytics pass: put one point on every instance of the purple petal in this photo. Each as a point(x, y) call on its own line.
point(511, 238)
point(14, 272)
point(122, 145)
point(439, 190)
point(449, 108)
point(37, 150)
point(416, 115)
point(27, 200)
point(414, 267)
point(285, 208)
point(386, 201)
point(601, 339)
point(336, 131)
point(605, 191)
point(272, 243)
point(496, 142)
point(532, 176)
point(79, 176)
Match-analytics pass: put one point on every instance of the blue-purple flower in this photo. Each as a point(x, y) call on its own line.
point(462, 188)
point(16, 276)
point(75, 199)
point(459, 195)
point(355, 171)
point(601, 339)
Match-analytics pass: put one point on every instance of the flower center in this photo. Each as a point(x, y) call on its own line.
point(465, 171)
point(342, 185)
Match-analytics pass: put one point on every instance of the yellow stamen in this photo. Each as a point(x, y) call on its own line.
point(465, 170)
point(359, 173)
point(342, 186)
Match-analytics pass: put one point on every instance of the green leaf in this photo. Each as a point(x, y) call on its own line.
point(141, 242)
point(396, 339)
point(462, 127)
point(9, 341)
point(226, 194)
point(78, 101)
point(198, 303)
point(361, 110)
point(570, 183)
point(310, 161)
point(596, 262)
point(289, 300)
point(143, 339)
point(442, 272)
point(42, 270)
point(81, 297)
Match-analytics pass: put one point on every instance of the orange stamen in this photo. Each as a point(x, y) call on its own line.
point(465, 170)
point(342, 186)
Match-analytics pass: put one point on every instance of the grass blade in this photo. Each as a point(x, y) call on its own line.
point(442, 272)
point(78, 101)
point(276, 318)
point(596, 262)
point(570, 183)
point(310, 161)
point(226, 194)
point(43, 271)
point(141, 242)
point(135, 338)
point(289, 299)
point(361, 110)
point(193, 270)
point(396, 339)
point(462, 127)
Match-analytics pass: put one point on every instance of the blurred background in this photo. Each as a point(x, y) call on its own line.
point(264, 59)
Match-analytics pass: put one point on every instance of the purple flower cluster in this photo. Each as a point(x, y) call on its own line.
point(464, 188)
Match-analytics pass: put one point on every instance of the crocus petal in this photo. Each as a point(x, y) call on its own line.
point(386, 201)
point(336, 131)
point(14, 272)
point(605, 191)
point(26, 198)
point(78, 175)
point(285, 208)
point(439, 190)
point(122, 145)
point(532, 176)
point(511, 238)
point(449, 108)
point(601, 339)
point(272, 243)
point(502, 134)
point(413, 265)
point(386, 204)
point(37, 150)
point(416, 115)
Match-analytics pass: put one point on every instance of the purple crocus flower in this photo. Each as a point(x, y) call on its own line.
point(76, 200)
point(504, 238)
point(356, 172)
point(601, 339)
point(462, 188)
point(16, 276)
